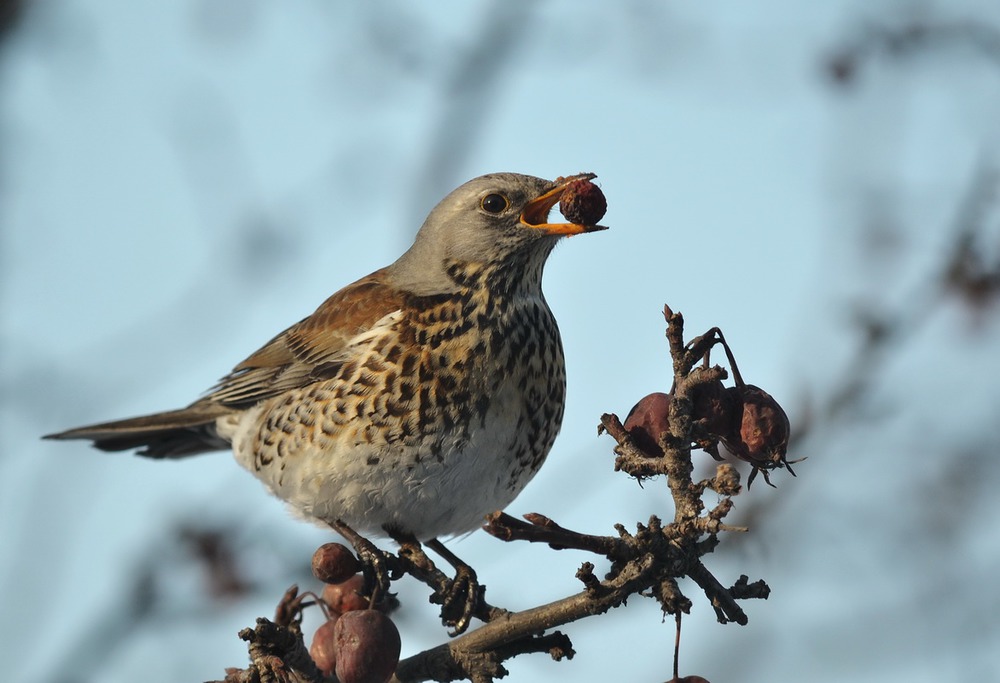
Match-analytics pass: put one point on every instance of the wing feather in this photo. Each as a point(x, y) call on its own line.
point(312, 348)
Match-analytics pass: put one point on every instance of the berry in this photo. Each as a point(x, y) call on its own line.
point(334, 563)
point(761, 434)
point(346, 596)
point(647, 420)
point(366, 645)
point(583, 203)
point(323, 650)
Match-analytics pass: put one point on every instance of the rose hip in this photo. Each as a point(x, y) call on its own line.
point(583, 203)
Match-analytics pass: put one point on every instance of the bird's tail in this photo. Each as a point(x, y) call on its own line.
point(173, 434)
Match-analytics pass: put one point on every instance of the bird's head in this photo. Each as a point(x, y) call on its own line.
point(498, 218)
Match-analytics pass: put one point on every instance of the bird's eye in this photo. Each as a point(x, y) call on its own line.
point(494, 203)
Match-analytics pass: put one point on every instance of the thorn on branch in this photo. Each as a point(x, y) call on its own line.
point(586, 575)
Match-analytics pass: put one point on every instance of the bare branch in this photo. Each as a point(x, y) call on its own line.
point(647, 562)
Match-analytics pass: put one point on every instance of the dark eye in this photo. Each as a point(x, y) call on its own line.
point(494, 203)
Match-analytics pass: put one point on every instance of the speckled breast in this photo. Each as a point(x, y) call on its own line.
point(485, 357)
point(439, 417)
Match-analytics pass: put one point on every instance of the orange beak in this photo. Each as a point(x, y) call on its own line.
point(536, 213)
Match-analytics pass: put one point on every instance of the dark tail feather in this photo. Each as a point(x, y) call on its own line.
point(174, 434)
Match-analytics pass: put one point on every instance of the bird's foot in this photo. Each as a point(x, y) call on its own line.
point(375, 563)
point(461, 600)
point(461, 597)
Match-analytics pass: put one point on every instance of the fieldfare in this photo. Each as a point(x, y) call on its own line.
point(413, 402)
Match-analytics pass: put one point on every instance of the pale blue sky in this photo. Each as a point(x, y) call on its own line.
point(183, 180)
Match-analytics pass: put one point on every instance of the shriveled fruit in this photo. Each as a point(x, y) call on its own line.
point(745, 418)
point(647, 420)
point(367, 645)
point(582, 202)
point(761, 434)
point(334, 563)
point(323, 648)
point(346, 596)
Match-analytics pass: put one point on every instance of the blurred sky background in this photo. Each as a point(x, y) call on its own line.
point(179, 181)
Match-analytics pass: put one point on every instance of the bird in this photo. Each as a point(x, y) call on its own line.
point(416, 400)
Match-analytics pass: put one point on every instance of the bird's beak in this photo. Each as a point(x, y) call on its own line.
point(536, 213)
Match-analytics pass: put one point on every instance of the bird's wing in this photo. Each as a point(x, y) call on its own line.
point(312, 349)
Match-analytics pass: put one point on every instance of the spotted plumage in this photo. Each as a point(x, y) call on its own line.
point(418, 399)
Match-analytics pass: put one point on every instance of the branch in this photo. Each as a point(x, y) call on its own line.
point(647, 562)
point(478, 655)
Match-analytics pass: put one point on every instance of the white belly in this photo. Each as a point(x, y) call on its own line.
point(377, 486)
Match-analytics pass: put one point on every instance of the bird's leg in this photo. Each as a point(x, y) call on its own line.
point(460, 598)
point(464, 596)
point(374, 562)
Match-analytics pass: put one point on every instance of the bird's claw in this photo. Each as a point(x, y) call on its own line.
point(374, 563)
point(460, 600)
point(375, 569)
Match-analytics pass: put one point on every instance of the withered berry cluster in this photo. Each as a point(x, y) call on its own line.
point(744, 418)
point(358, 641)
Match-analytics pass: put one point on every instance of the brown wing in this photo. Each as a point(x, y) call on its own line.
point(301, 355)
point(311, 349)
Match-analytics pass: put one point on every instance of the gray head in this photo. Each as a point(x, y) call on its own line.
point(491, 219)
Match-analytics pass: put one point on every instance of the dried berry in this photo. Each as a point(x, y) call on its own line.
point(647, 420)
point(583, 203)
point(323, 649)
point(761, 435)
point(334, 563)
point(346, 597)
point(367, 647)
point(763, 428)
point(745, 418)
